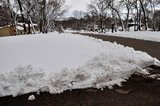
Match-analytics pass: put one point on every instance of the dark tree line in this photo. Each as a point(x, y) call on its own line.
point(106, 14)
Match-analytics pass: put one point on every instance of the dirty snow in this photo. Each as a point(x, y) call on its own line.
point(57, 62)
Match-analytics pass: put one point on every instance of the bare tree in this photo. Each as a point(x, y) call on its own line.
point(78, 15)
point(116, 8)
point(157, 20)
point(42, 12)
point(48, 12)
point(152, 12)
point(99, 8)
point(55, 10)
point(128, 5)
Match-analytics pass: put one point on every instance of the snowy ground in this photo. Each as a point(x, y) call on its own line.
point(56, 62)
point(143, 35)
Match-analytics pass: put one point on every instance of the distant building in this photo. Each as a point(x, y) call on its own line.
point(20, 29)
point(92, 27)
point(10, 30)
point(134, 26)
point(7, 30)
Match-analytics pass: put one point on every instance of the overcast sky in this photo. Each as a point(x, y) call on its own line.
point(77, 4)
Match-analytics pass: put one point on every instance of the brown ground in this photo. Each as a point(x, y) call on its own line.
point(137, 91)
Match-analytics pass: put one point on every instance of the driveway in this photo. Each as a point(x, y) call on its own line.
point(137, 91)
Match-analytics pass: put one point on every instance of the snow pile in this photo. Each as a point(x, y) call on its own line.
point(54, 63)
point(31, 97)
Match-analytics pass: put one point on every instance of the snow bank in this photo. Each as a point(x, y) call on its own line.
point(142, 35)
point(55, 63)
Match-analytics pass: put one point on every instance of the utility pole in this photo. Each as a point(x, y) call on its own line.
point(24, 26)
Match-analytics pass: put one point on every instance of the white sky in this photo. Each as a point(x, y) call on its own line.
point(77, 4)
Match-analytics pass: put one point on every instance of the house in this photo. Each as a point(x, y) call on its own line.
point(92, 27)
point(134, 26)
point(11, 30)
point(8, 30)
point(20, 29)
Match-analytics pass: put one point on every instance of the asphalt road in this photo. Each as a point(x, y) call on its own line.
point(150, 47)
point(137, 91)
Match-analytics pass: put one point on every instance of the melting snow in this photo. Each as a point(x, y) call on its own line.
point(31, 97)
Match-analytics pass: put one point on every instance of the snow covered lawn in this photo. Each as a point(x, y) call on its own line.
point(56, 62)
point(143, 35)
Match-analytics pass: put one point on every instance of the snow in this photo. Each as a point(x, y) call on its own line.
point(25, 24)
point(57, 62)
point(19, 27)
point(31, 97)
point(142, 35)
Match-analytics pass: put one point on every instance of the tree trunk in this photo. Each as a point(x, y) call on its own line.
point(127, 21)
point(101, 24)
point(32, 25)
point(10, 13)
point(137, 17)
point(29, 27)
point(144, 13)
point(139, 20)
point(24, 26)
point(44, 17)
point(118, 17)
point(153, 14)
point(40, 26)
